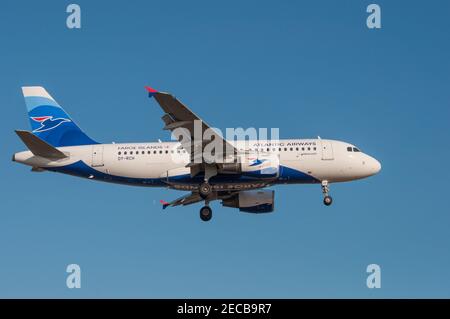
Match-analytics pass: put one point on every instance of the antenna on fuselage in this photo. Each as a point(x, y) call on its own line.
point(318, 137)
point(159, 141)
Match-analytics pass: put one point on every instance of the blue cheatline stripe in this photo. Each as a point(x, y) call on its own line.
point(81, 169)
point(291, 175)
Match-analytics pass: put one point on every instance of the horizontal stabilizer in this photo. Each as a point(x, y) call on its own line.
point(39, 147)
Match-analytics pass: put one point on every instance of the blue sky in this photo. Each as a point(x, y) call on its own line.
point(308, 67)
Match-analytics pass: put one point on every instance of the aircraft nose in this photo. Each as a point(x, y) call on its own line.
point(374, 166)
point(377, 166)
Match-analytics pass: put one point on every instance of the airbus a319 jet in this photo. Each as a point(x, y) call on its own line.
point(238, 178)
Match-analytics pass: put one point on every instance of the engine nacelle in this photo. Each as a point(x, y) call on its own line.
point(263, 166)
point(255, 201)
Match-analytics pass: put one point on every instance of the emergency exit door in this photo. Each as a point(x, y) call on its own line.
point(97, 155)
point(327, 150)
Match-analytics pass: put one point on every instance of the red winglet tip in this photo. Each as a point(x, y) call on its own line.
point(164, 204)
point(150, 90)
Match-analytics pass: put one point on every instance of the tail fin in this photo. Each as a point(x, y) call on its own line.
point(50, 122)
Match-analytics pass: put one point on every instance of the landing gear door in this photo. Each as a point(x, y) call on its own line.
point(97, 156)
point(327, 150)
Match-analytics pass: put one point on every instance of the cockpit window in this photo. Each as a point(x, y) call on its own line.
point(356, 150)
point(349, 149)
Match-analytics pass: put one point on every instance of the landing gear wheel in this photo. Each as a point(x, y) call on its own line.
point(327, 200)
point(205, 189)
point(205, 213)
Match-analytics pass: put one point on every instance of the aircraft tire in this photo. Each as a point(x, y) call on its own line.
point(327, 200)
point(205, 213)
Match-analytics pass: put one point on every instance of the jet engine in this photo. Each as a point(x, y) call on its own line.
point(262, 166)
point(255, 201)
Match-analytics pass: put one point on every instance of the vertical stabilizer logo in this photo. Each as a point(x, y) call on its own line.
point(48, 123)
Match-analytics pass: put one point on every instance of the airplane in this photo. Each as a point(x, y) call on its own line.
point(238, 176)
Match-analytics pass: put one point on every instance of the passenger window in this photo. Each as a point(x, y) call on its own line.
point(160, 152)
point(125, 153)
point(296, 148)
point(285, 149)
point(349, 149)
point(303, 148)
point(309, 148)
point(291, 149)
point(143, 152)
point(279, 149)
point(131, 153)
point(154, 152)
point(120, 153)
point(167, 152)
point(315, 148)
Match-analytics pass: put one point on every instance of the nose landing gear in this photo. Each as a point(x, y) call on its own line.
point(327, 200)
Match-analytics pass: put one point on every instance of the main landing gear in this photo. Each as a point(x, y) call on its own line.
point(327, 200)
point(205, 213)
point(205, 189)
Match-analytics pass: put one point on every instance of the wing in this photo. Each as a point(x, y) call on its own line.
point(178, 118)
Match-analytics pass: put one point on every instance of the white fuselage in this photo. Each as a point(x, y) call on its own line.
point(164, 163)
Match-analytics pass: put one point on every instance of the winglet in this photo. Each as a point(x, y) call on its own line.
point(164, 204)
point(150, 91)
